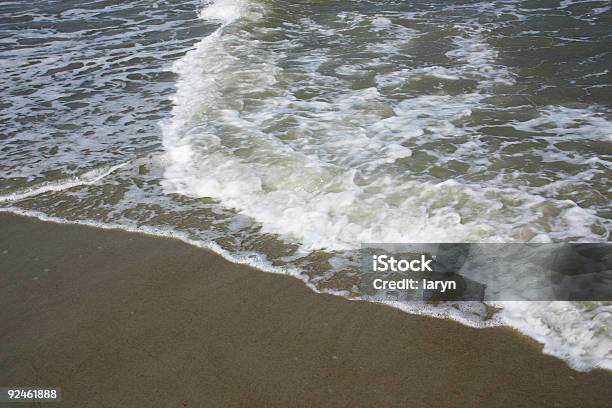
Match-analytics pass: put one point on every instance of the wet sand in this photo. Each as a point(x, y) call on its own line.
point(119, 319)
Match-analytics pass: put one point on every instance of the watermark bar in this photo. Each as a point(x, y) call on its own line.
point(491, 272)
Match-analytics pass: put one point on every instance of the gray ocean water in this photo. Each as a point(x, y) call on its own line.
point(285, 134)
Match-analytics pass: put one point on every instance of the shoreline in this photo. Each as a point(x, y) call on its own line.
point(119, 318)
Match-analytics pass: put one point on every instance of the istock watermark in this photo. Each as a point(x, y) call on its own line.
point(383, 263)
point(490, 272)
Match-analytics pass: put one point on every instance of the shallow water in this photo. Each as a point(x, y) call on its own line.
point(285, 134)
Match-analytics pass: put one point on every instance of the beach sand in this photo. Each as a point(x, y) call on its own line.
point(120, 319)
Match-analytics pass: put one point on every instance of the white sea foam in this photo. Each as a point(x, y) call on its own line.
point(306, 188)
point(88, 178)
point(329, 177)
point(225, 11)
point(577, 332)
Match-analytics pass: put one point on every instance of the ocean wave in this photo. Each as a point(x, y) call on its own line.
point(292, 143)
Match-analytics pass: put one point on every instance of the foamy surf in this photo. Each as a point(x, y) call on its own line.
point(330, 180)
point(87, 178)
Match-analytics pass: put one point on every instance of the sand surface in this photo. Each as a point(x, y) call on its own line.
point(119, 319)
